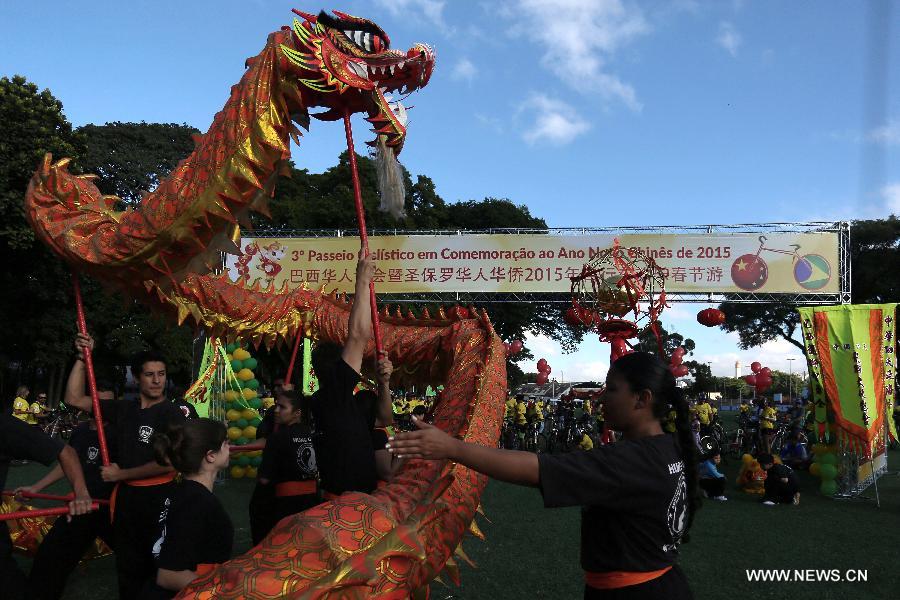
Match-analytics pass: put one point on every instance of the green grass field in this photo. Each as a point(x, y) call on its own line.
point(532, 552)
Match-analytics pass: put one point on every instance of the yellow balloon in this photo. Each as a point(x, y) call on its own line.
point(232, 415)
point(255, 453)
point(268, 402)
point(240, 354)
point(248, 393)
point(237, 472)
point(234, 433)
point(249, 432)
point(250, 472)
point(245, 374)
point(249, 413)
point(230, 357)
point(814, 469)
point(747, 459)
point(230, 395)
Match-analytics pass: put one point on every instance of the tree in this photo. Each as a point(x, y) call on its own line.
point(131, 158)
point(647, 342)
point(874, 251)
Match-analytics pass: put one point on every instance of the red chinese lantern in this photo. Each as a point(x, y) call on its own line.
point(573, 318)
point(711, 317)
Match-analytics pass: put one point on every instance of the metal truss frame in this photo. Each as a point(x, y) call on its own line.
point(842, 228)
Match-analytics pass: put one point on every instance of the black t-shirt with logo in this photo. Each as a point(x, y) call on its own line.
point(195, 530)
point(86, 443)
point(634, 499)
point(135, 426)
point(344, 428)
point(289, 455)
point(186, 408)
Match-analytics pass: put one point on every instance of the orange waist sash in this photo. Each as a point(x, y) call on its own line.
point(295, 488)
point(618, 579)
point(146, 482)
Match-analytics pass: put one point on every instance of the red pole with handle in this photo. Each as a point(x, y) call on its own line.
point(290, 369)
point(89, 367)
point(363, 236)
point(41, 512)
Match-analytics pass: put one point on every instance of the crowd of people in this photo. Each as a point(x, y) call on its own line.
point(640, 487)
point(159, 514)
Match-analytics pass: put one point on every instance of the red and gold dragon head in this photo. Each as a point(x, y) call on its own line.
point(346, 63)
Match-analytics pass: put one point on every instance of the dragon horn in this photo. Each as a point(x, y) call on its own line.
point(309, 17)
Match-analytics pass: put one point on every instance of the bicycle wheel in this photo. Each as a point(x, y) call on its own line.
point(541, 443)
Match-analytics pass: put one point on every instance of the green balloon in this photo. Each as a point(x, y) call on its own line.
point(243, 460)
point(255, 403)
point(827, 472)
point(231, 347)
point(250, 363)
point(234, 384)
point(241, 423)
point(828, 487)
point(241, 441)
point(256, 460)
point(237, 365)
point(828, 459)
point(253, 384)
point(229, 406)
point(255, 421)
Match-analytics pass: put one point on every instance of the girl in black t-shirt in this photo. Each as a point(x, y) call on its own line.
point(638, 495)
point(288, 465)
point(195, 530)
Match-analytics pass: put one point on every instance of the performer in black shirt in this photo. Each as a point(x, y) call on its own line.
point(288, 466)
point(193, 529)
point(343, 422)
point(142, 483)
point(20, 441)
point(67, 541)
point(639, 494)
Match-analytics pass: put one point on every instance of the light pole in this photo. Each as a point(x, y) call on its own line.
point(791, 378)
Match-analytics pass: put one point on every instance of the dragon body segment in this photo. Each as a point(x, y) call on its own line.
point(390, 543)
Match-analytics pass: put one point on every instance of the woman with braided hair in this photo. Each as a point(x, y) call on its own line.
point(639, 494)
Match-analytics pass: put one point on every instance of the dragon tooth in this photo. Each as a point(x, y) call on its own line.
point(391, 70)
point(357, 37)
point(367, 41)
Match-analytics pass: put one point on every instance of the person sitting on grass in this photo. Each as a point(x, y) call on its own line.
point(781, 482)
point(712, 482)
point(639, 495)
point(794, 453)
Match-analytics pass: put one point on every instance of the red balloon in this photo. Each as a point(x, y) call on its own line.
point(755, 366)
point(542, 365)
point(516, 346)
point(676, 359)
point(763, 380)
point(680, 351)
point(549, 370)
point(711, 317)
point(765, 371)
point(542, 378)
point(750, 379)
point(506, 347)
point(680, 371)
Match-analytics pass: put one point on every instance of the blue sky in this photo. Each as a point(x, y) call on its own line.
point(590, 112)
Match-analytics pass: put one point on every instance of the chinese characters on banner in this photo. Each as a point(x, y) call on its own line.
point(715, 263)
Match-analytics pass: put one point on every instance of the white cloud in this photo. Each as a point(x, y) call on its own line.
point(492, 123)
point(578, 38)
point(554, 121)
point(729, 38)
point(464, 70)
point(888, 134)
point(430, 10)
point(891, 195)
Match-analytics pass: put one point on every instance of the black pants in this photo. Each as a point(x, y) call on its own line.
point(713, 486)
point(12, 579)
point(780, 492)
point(260, 508)
point(673, 585)
point(62, 549)
point(135, 530)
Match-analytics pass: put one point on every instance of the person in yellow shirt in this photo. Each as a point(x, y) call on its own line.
point(704, 414)
point(586, 442)
point(21, 408)
point(511, 408)
point(38, 408)
point(521, 411)
point(767, 426)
